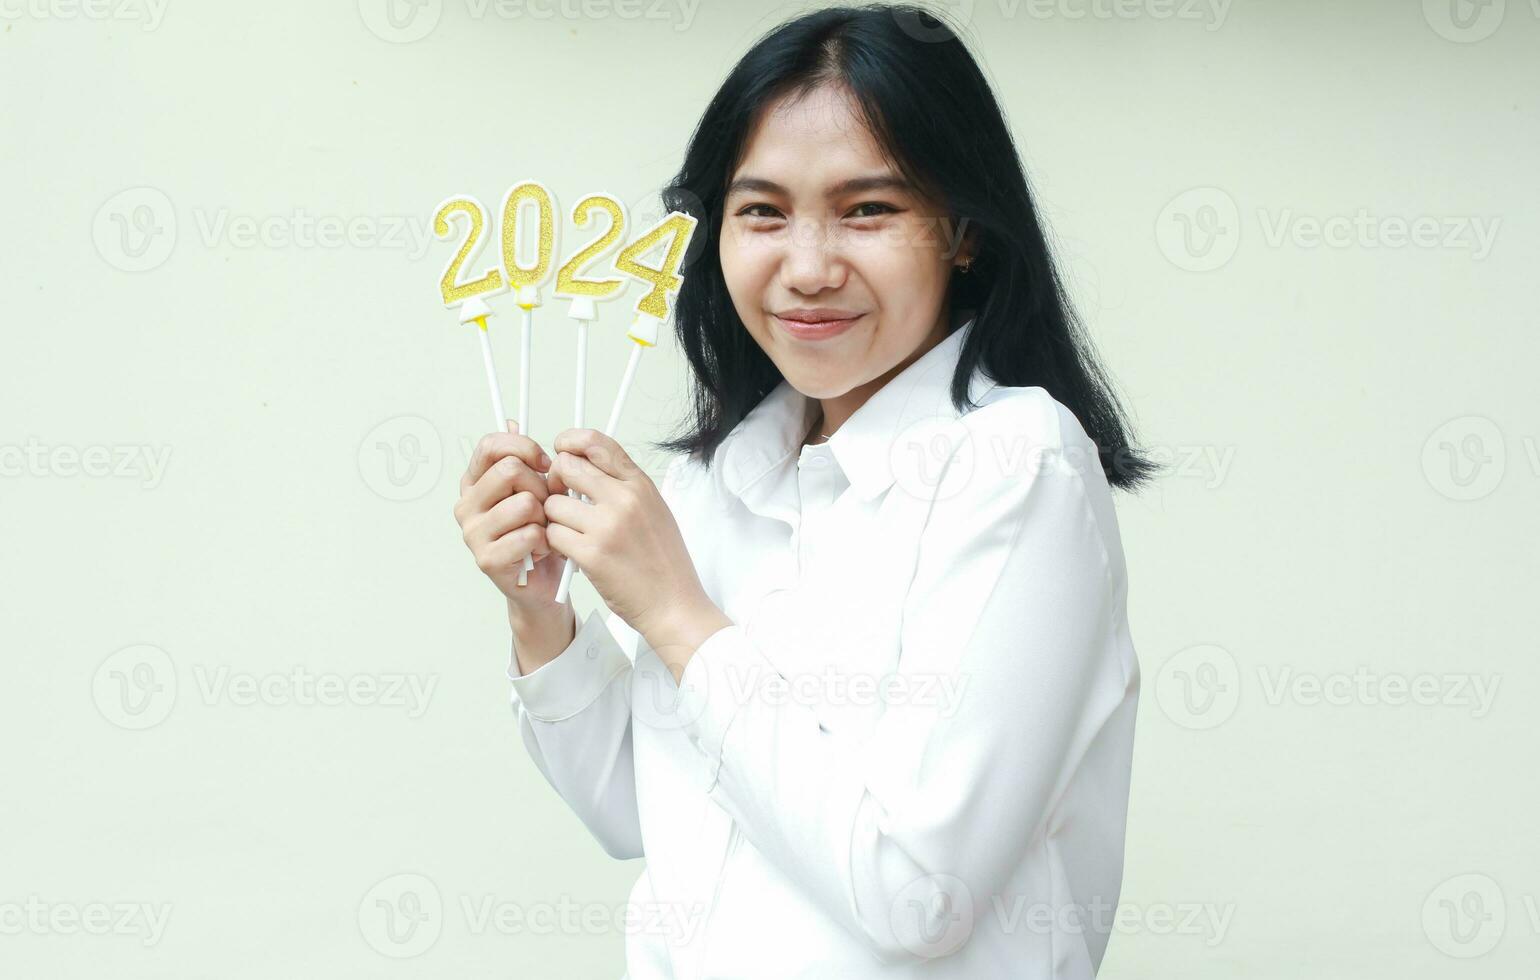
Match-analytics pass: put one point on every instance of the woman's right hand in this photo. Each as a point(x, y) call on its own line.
point(501, 513)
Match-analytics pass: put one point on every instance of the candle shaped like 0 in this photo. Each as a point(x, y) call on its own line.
point(525, 284)
point(469, 295)
point(651, 310)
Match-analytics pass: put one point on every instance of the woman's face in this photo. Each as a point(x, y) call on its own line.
point(796, 238)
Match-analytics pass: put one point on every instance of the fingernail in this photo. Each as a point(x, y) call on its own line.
point(513, 426)
point(545, 460)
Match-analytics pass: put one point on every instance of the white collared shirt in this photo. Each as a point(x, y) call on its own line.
point(910, 754)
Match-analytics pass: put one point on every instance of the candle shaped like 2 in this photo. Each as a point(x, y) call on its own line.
point(471, 294)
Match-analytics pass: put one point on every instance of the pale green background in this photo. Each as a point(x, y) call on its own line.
point(1310, 395)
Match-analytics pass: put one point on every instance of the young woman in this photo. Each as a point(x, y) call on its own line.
point(864, 694)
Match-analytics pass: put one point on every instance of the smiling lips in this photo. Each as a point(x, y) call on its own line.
point(817, 324)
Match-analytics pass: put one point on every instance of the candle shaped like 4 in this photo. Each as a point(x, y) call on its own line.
point(651, 311)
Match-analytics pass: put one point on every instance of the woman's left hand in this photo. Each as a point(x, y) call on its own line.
point(627, 542)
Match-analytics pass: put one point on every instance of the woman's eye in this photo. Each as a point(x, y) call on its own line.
point(884, 209)
point(751, 207)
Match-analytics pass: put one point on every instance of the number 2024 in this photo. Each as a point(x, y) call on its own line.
point(664, 279)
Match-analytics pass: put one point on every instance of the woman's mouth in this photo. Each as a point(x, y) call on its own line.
point(820, 330)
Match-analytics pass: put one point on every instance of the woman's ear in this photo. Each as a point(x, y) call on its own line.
point(966, 237)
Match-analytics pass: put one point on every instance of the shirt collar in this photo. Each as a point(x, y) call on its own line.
point(773, 430)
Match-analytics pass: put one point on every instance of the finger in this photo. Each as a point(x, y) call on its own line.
point(507, 552)
point(508, 514)
point(569, 512)
point(495, 446)
point(568, 543)
point(599, 449)
point(580, 474)
point(505, 478)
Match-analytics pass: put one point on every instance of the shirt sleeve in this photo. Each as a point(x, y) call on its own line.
point(574, 713)
point(1011, 603)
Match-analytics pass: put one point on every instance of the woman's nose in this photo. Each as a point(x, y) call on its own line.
point(813, 260)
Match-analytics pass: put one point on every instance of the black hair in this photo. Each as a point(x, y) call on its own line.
point(928, 104)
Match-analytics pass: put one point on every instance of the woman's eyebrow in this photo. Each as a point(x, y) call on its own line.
point(854, 185)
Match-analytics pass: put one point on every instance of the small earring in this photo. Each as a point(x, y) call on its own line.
point(966, 265)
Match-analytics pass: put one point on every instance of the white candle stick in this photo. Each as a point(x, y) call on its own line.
point(476, 310)
point(642, 343)
point(526, 331)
